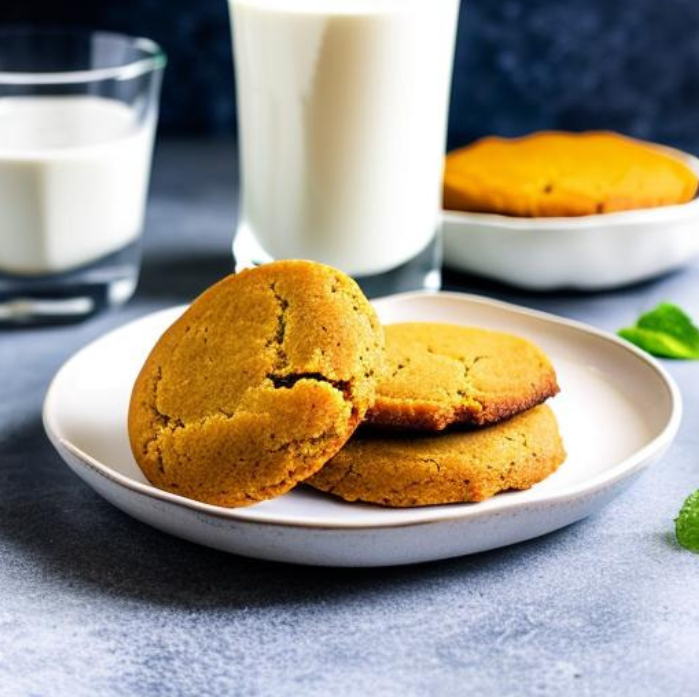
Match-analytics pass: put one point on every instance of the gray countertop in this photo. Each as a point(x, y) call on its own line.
point(95, 603)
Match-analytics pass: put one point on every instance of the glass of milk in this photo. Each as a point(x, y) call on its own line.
point(342, 115)
point(78, 112)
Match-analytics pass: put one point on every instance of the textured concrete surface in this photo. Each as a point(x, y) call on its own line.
point(94, 603)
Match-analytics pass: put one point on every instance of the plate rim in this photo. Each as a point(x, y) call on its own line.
point(619, 472)
point(601, 222)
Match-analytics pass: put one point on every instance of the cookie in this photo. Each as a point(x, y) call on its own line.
point(564, 174)
point(401, 470)
point(257, 385)
point(441, 374)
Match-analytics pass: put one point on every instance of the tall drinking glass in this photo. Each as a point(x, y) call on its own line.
point(342, 113)
point(78, 111)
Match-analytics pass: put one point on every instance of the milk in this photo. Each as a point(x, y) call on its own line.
point(342, 108)
point(73, 181)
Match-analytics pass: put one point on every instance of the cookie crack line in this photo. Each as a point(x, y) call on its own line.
point(280, 333)
point(167, 422)
point(286, 382)
point(465, 391)
point(467, 367)
point(350, 471)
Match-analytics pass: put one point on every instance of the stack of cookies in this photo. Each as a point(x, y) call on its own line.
point(263, 381)
point(458, 416)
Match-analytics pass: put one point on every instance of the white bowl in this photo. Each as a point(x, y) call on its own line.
point(591, 252)
point(618, 412)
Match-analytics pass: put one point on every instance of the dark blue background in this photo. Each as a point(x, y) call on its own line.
point(521, 65)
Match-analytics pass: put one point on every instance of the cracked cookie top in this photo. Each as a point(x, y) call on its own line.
point(441, 374)
point(257, 385)
point(402, 470)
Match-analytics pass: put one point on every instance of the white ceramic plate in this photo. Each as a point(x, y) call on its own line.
point(590, 252)
point(618, 412)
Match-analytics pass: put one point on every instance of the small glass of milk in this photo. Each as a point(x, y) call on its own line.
point(342, 115)
point(78, 112)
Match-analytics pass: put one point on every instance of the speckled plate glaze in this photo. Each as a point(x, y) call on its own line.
point(618, 411)
point(589, 252)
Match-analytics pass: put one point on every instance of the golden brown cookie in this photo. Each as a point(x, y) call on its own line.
point(257, 385)
point(564, 174)
point(441, 374)
point(401, 470)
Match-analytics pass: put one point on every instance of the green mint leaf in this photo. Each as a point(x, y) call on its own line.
point(665, 331)
point(687, 523)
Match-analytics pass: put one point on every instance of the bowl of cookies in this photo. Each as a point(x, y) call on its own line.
point(284, 416)
point(587, 211)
